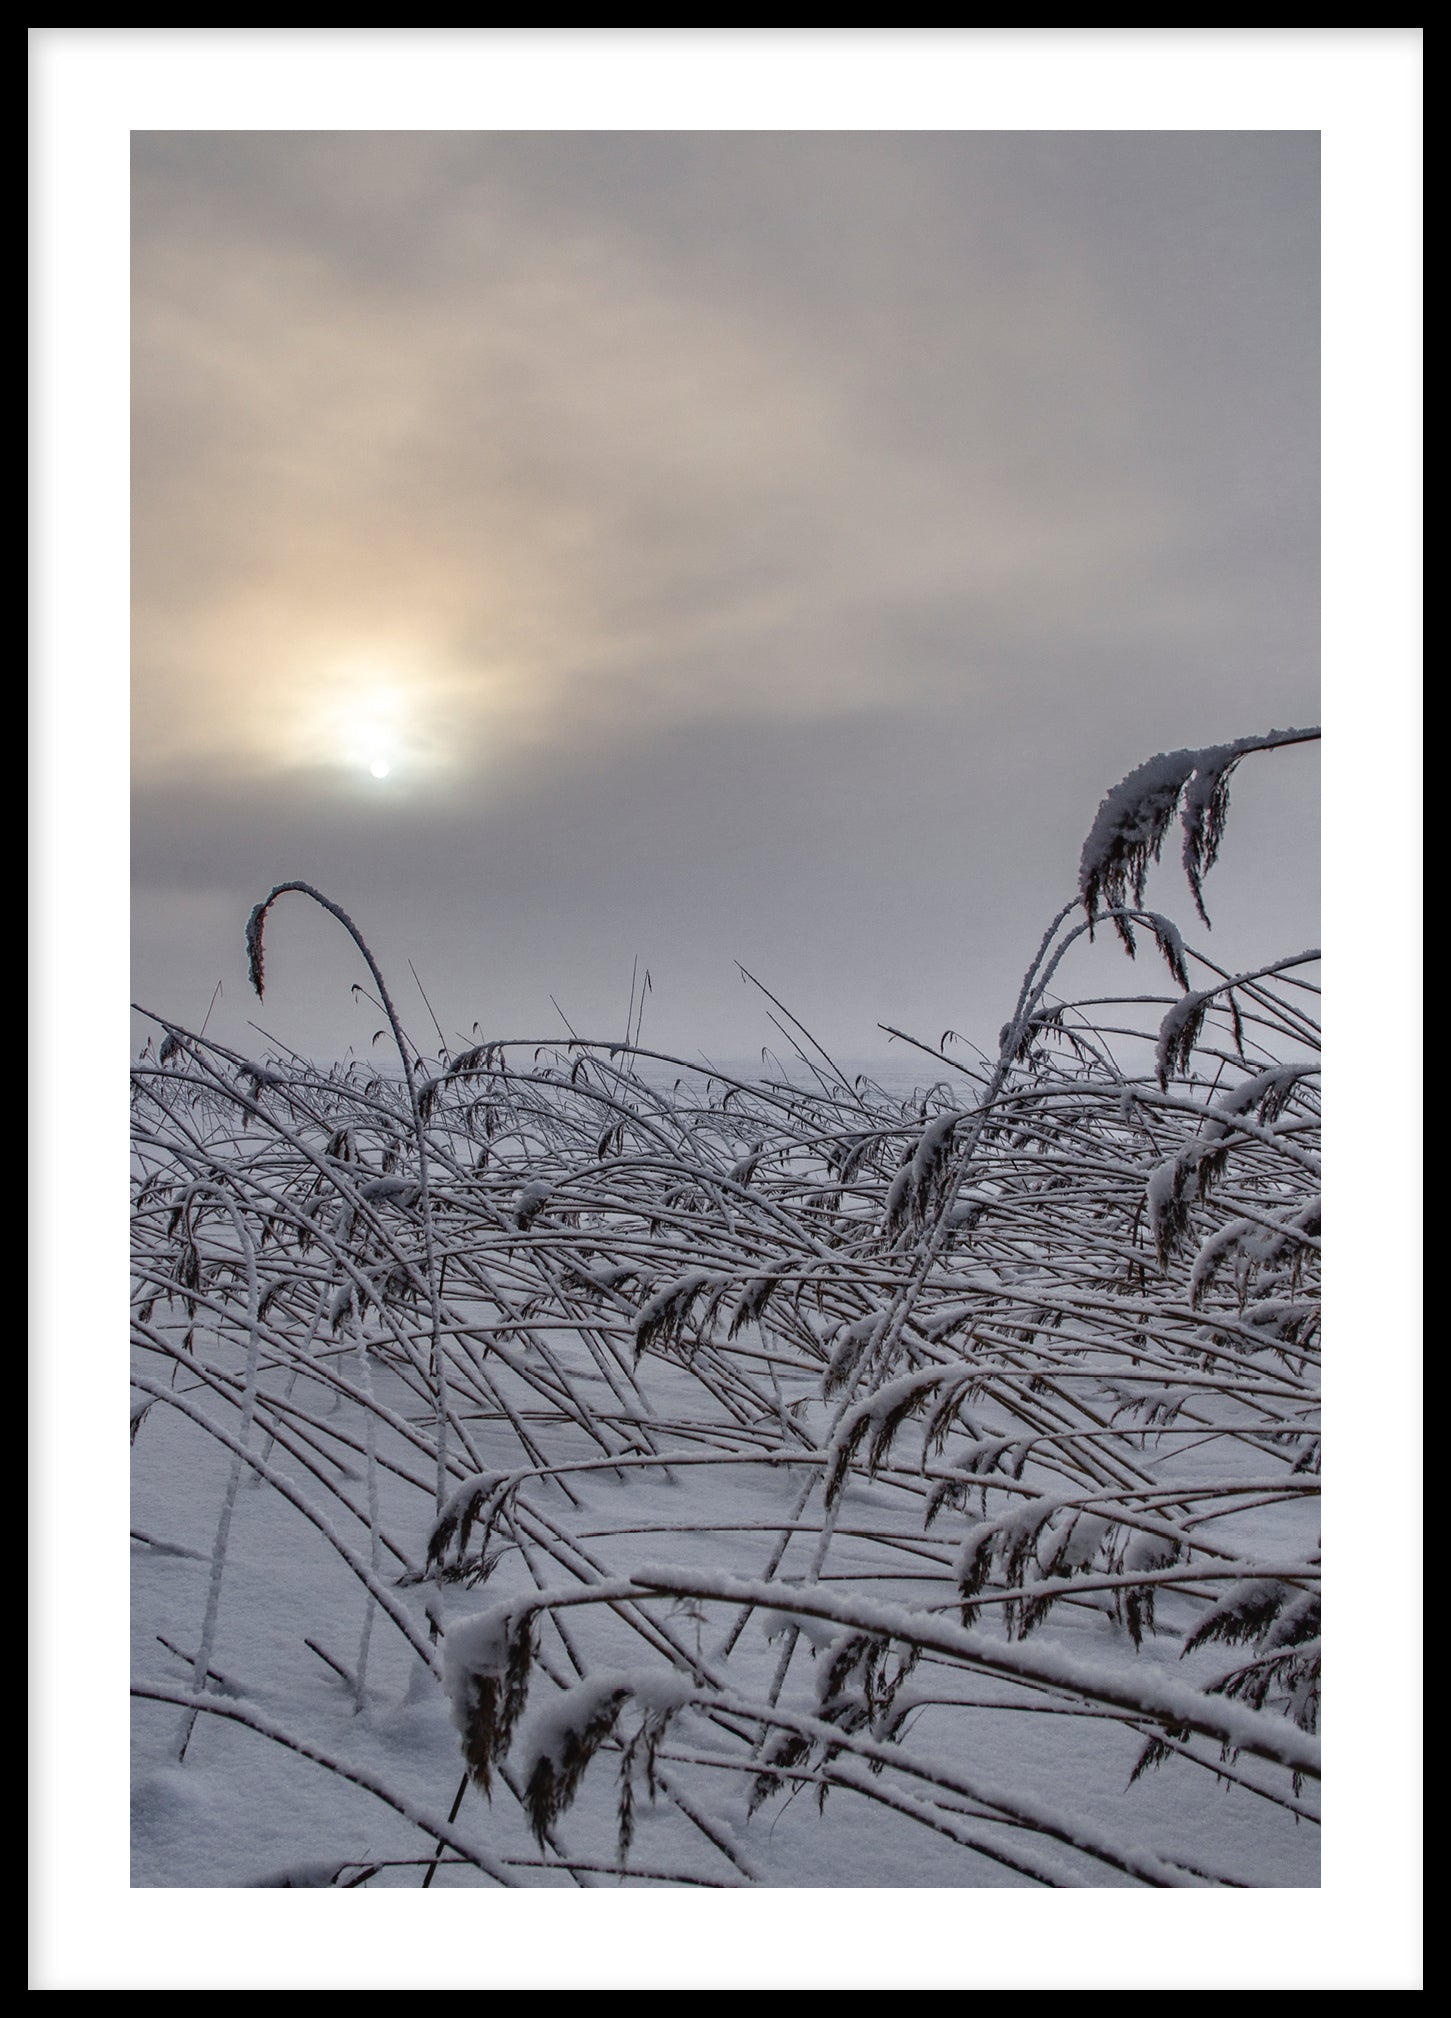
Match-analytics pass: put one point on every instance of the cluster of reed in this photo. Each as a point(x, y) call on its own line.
point(1039, 1344)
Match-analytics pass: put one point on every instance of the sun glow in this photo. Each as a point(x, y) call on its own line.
point(402, 719)
point(363, 719)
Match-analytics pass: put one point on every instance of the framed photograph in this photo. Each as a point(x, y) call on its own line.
point(723, 638)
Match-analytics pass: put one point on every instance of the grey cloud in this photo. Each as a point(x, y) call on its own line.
point(776, 532)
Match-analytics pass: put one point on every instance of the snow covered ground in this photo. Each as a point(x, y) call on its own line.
point(245, 1810)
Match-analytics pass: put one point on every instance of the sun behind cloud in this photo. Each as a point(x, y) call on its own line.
point(369, 718)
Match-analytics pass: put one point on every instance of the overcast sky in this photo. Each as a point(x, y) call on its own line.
point(737, 547)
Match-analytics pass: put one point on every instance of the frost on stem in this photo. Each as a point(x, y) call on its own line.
point(662, 1319)
point(486, 1669)
point(564, 1738)
point(881, 1415)
point(1134, 819)
point(918, 1185)
point(478, 1495)
point(1283, 1625)
point(1179, 1035)
point(530, 1203)
point(580, 1724)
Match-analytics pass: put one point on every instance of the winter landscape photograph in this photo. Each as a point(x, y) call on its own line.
point(726, 1271)
point(725, 1019)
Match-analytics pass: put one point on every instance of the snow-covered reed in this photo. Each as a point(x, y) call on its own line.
point(689, 1442)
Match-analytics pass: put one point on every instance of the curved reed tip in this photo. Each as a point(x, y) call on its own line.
point(254, 947)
